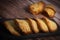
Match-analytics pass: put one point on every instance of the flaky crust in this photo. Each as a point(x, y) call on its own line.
point(24, 26)
point(11, 28)
point(37, 8)
point(34, 25)
point(42, 26)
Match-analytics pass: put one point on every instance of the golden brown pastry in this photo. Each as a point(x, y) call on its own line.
point(51, 6)
point(33, 25)
point(37, 8)
point(51, 25)
point(42, 25)
point(9, 26)
point(50, 11)
point(24, 26)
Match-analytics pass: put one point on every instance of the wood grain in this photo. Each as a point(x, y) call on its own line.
point(16, 8)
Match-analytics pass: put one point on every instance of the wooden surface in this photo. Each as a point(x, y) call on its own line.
point(19, 8)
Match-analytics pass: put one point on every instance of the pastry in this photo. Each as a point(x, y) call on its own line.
point(51, 25)
point(42, 25)
point(37, 8)
point(49, 11)
point(24, 26)
point(9, 26)
point(34, 25)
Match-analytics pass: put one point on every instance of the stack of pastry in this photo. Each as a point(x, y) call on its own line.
point(35, 25)
point(42, 8)
point(30, 26)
